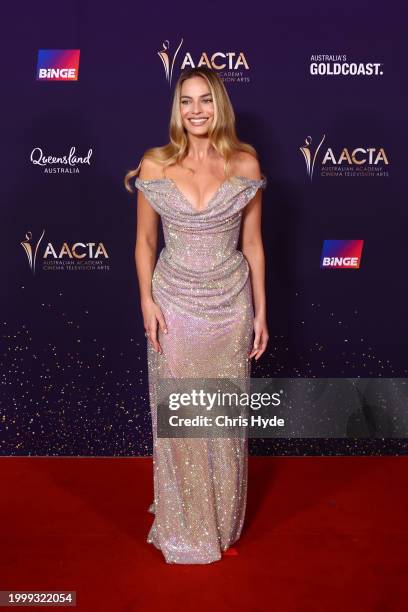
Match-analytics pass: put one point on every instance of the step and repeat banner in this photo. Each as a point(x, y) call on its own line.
point(321, 94)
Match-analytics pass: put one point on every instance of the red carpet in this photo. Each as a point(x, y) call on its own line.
point(322, 534)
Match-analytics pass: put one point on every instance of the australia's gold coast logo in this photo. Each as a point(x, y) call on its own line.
point(65, 256)
point(344, 161)
point(229, 64)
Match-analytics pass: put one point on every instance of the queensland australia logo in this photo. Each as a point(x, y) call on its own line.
point(62, 164)
point(338, 65)
point(341, 254)
point(343, 161)
point(57, 65)
point(232, 66)
point(64, 256)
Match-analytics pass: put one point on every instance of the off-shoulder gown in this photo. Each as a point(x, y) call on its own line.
point(201, 283)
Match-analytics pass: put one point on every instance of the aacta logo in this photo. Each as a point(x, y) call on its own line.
point(219, 60)
point(341, 254)
point(77, 252)
point(31, 249)
point(58, 65)
point(358, 161)
point(167, 59)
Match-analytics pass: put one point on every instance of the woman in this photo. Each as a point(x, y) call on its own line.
point(203, 306)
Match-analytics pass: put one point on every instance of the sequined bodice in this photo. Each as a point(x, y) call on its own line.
point(200, 240)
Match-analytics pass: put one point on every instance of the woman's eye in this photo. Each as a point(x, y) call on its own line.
point(187, 101)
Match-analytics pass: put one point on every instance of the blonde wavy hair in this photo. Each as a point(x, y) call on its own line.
point(221, 134)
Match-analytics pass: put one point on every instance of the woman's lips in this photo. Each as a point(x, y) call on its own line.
point(198, 121)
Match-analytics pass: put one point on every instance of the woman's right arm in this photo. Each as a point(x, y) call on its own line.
point(145, 257)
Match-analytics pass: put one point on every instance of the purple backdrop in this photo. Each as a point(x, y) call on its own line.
point(73, 360)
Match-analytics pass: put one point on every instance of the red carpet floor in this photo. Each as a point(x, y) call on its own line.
point(322, 534)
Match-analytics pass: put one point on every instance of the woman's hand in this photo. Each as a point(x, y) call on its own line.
point(152, 315)
point(261, 338)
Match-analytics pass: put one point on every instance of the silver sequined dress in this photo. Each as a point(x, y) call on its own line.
point(201, 283)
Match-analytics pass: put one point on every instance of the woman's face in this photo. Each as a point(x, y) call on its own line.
point(196, 106)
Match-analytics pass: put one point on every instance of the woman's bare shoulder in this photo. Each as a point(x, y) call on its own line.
point(247, 165)
point(150, 169)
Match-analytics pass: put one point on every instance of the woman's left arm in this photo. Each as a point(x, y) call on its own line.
point(252, 248)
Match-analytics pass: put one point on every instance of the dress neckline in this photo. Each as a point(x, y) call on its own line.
point(213, 197)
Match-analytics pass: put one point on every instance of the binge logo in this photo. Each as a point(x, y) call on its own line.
point(58, 65)
point(341, 254)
